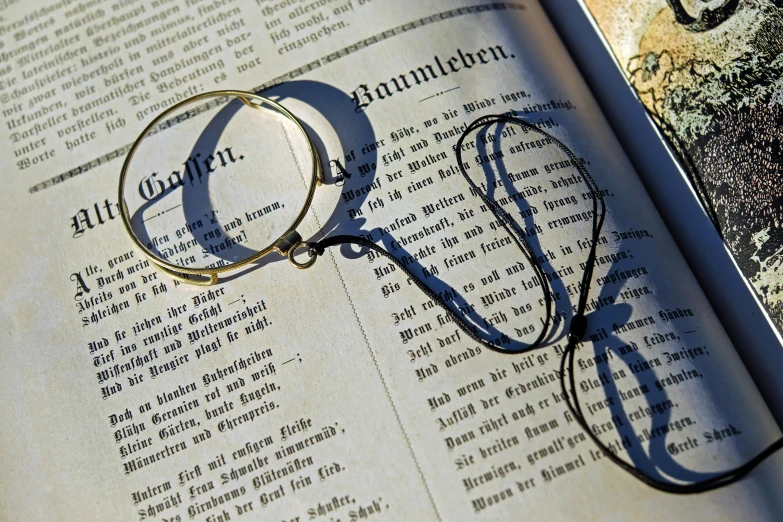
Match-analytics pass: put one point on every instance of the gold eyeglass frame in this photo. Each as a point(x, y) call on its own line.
point(287, 244)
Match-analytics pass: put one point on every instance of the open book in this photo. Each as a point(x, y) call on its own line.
point(341, 392)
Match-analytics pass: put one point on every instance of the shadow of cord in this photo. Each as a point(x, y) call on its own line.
point(352, 127)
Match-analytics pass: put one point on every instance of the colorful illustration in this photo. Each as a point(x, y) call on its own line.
point(711, 74)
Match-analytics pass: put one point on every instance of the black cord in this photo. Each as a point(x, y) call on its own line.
point(578, 325)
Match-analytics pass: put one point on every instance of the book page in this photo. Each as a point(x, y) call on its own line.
point(683, 58)
point(732, 297)
point(341, 392)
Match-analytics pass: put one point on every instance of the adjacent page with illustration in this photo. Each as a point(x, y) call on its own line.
point(710, 74)
point(340, 392)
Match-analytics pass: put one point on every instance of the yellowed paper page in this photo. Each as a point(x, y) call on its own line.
point(340, 392)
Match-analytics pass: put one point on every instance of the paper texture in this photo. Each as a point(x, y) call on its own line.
point(340, 392)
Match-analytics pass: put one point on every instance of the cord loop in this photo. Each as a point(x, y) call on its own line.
point(578, 326)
